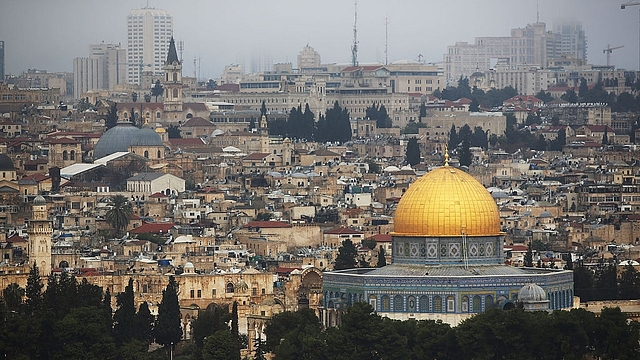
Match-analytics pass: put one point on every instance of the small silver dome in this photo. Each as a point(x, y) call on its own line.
point(39, 200)
point(532, 293)
point(146, 137)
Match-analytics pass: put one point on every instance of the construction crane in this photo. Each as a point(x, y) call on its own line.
point(608, 51)
point(624, 6)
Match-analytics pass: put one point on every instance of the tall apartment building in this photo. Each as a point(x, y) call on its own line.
point(531, 46)
point(148, 33)
point(1, 60)
point(105, 68)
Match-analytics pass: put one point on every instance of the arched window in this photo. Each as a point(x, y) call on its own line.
point(175, 93)
point(175, 77)
point(167, 77)
point(411, 304)
point(229, 288)
point(424, 304)
point(465, 304)
point(72, 155)
point(146, 154)
point(158, 115)
point(477, 304)
point(386, 304)
point(397, 303)
point(437, 304)
point(65, 155)
point(159, 155)
point(488, 302)
point(451, 305)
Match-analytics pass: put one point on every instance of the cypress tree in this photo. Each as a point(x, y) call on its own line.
point(167, 329)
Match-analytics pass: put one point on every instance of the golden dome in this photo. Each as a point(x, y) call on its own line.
point(447, 202)
point(160, 130)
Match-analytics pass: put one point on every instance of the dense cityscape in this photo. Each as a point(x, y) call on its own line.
point(484, 206)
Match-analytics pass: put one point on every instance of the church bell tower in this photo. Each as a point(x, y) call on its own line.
point(173, 85)
point(40, 231)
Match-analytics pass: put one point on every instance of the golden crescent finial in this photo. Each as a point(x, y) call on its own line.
point(446, 155)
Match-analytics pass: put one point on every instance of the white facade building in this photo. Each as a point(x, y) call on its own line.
point(148, 33)
point(151, 183)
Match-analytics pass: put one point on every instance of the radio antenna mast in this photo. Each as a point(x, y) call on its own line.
point(386, 40)
point(354, 47)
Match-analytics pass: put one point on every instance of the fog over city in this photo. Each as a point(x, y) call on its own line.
point(49, 34)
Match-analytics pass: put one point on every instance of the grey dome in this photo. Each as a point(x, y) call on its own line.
point(118, 138)
point(39, 200)
point(532, 293)
point(545, 214)
point(6, 163)
point(146, 137)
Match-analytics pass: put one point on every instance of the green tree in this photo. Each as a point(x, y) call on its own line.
point(263, 110)
point(119, 214)
point(616, 337)
point(583, 88)
point(464, 155)
point(474, 106)
point(252, 123)
point(528, 256)
point(157, 89)
point(570, 96)
point(12, 296)
point(382, 261)
point(124, 319)
point(294, 335)
point(544, 96)
point(222, 345)
point(167, 329)
point(423, 111)
point(112, 116)
point(374, 168)
point(144, 324)
point(211, 84)
point(454, 140)
point(413, 152)
point(147, 98)
point(134, 96)
point(33, 291)
point(629, 283)
point(346, 258)
point(605, 136)
point(234, 320)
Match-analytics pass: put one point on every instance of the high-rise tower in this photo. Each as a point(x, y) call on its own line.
point(148, 33)
point(40, 232)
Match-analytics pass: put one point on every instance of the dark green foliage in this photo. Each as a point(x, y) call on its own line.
point(369, 243)
point(605, 136)
point(380, 115)
point(454, 140)
point(583, 88)
point(335, 126)
point(134, 97)
point(124, 319)
point(479, 138)
point(234, 320)
point(299, 125)
point(294, 335)
point(382, 260)
point(252, 123)
point(12, 296)
point(173, 132)
point(157, 89)
point(374, 168)
point(570, 96)
point(474, 106)
point(544, 96)
point(528, 257)
point(222, 345)
point(112, 116)
point(119, 214)
point(144, 324)
point(167, 329)
point(263, 110)
point(209, 322)
point(346, 258)
point(413, 152)
point(629, 283)
point(464, 154)
point(423, 111)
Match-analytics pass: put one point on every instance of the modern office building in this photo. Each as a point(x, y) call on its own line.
point(105, 68)
point(148, 33)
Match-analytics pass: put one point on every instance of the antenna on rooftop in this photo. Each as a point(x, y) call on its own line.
point(386, 40)
point(354, 47)
point(537, 11)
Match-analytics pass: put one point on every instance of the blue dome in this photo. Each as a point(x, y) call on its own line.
point(123, 135)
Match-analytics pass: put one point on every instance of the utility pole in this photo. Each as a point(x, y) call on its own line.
point(354, 47)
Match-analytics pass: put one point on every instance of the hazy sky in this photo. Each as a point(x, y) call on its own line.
point(49, 34)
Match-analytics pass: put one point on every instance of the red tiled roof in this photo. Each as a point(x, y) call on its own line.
point(36, 177)
point(228, 88)
point(286, 270)
point(256, 156)
point(16, 239)
point(343, 231)
point(195, 106)
point(153, 228)
point(381, 237)
point(158, 195)
point(267, 224)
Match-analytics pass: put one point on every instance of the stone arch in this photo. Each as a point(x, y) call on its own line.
point(230, 288)
point(437, 304)
point(65, 155)
point(477, 304)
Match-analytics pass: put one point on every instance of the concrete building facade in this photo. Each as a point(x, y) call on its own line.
point(149, 31)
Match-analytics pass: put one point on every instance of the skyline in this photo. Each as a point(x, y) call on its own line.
point(222, 33)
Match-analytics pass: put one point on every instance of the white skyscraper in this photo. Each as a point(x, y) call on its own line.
point(148, 33)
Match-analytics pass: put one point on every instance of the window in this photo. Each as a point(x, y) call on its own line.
point(451, 305)
point(397, 304)
point(199, 293)
point(386, 306)
point(254, 291)
point(437, 304)
point(477, 304)
point(213, 292)
point(465, 304)
point(191, 293)
point(411, 304)
point(229, 288)
point(372, 302)
point(424, 304)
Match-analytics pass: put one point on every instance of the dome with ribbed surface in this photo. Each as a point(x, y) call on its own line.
point(39, 200)
point(531, 293)
point(6, 163)
point(447, 202)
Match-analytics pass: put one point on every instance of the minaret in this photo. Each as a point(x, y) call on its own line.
point(40, 231)
point(172, 85)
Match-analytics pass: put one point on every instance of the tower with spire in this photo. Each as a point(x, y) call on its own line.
point(172, 85)
point(40, 231)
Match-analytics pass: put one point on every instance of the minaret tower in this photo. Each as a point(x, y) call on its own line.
point(173, 85)
point(40, 231)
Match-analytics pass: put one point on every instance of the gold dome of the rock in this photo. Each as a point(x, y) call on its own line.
point(447, 202)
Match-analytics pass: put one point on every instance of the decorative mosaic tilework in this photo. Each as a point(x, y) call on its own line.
point(454, 250)
point(432, 251)
point(414, 250)
point(473, 249)
point(489, 249)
